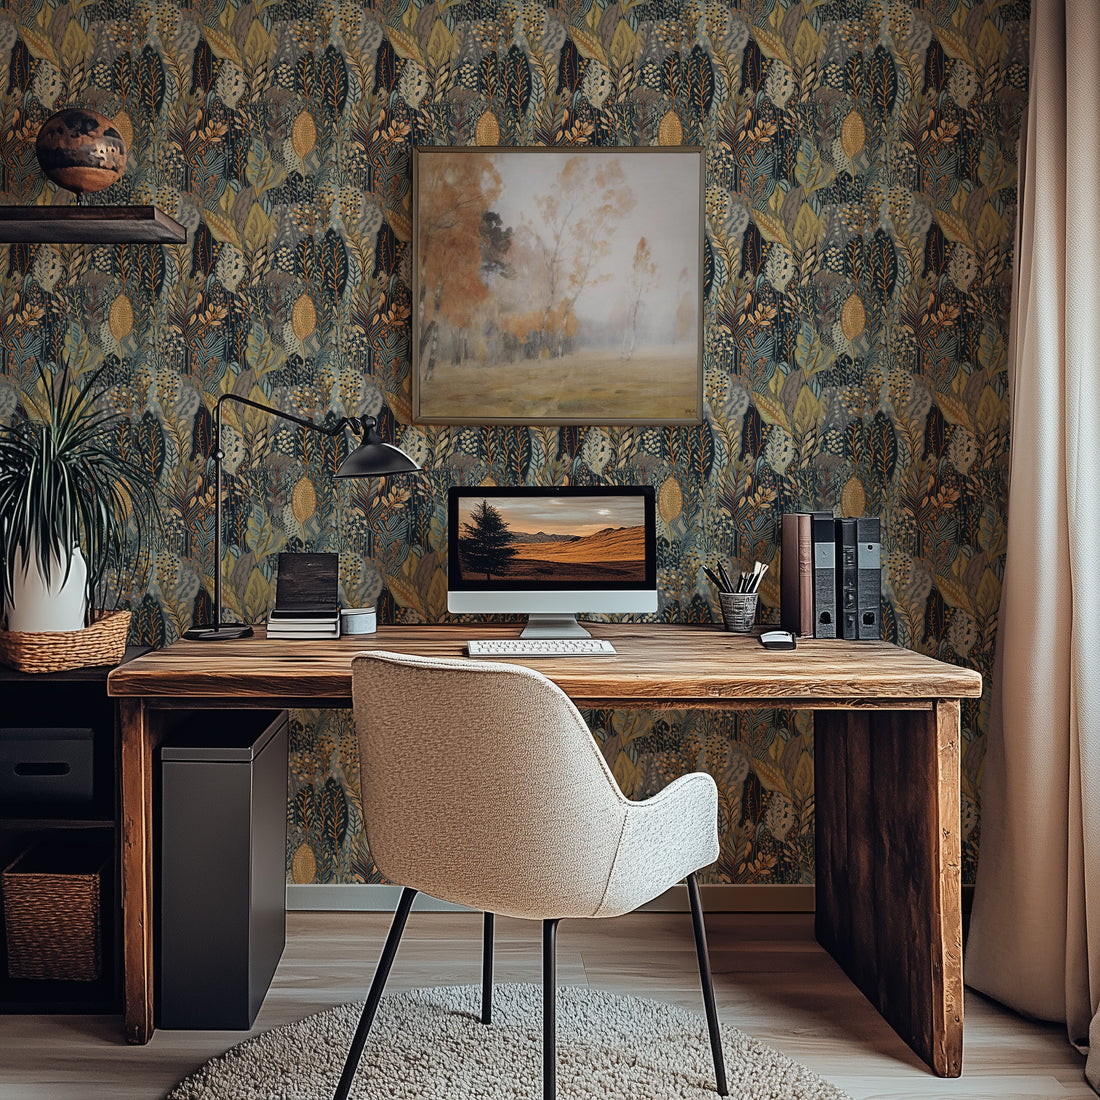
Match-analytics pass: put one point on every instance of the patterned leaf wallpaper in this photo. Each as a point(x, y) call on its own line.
point(859, 221)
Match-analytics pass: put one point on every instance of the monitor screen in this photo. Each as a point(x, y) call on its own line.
point(551, 553)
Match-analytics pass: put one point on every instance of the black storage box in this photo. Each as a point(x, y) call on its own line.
point(46, 764)
point(222, 868)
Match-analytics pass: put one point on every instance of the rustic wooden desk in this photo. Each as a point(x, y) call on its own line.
point(886, 772)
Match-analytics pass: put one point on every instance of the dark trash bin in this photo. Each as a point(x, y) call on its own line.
point(221, 900)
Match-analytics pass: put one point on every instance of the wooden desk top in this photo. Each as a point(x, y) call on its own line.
point(656, 665)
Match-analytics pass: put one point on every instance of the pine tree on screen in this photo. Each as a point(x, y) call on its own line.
point(486, 546)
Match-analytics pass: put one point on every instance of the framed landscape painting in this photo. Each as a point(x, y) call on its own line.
point(557, 286)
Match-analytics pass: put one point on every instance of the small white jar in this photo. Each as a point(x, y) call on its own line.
point(358, 620)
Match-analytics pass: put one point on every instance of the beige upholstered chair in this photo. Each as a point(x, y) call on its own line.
point(483, 786)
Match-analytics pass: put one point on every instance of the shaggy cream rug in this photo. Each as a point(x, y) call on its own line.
point(430, 1043)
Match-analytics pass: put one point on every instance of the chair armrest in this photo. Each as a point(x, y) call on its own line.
point(664, 838)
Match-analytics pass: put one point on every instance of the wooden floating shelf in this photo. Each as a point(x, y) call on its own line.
point(88, 225)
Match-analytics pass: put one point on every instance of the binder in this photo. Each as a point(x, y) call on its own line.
point(869, 580)
point(847, 580)
point(796, 585)
point(824, 573)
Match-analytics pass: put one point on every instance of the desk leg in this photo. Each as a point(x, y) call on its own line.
point(137, 870)
point(889, 890)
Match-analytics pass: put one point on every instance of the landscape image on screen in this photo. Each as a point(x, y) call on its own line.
point(547, 540)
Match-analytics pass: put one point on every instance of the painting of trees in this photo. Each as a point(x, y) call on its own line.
point(550, 285)
point(578, 213)
point(457, 194)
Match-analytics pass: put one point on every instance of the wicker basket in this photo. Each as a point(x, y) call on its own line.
point(102, 643)
point(53, 917)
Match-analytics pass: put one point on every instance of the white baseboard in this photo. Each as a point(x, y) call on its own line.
point(716, 898)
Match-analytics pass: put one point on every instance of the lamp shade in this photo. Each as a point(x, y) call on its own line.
point(374, 459)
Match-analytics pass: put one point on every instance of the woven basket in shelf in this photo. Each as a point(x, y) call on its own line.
point(53, 920)
point(102, 643)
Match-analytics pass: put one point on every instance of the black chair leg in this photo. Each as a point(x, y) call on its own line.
point(377, 987)
point(708, 986)
point(487, 971)
point(549, 1010)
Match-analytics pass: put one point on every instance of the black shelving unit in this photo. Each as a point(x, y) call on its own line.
point(75, 698)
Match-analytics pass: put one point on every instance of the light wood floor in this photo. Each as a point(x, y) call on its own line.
point(771, 980)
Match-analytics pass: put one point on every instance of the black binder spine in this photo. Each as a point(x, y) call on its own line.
point(824, 543)
point(869, 584)
point(848, 579)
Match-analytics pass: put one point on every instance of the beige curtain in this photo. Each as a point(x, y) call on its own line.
point(1035, 931)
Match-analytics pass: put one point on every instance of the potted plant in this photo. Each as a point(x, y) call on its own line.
point(66, 500)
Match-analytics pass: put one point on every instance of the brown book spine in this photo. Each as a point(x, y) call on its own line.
point(789, 610)
point(805, 575)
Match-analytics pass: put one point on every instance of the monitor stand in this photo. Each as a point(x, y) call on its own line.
point(552, 625)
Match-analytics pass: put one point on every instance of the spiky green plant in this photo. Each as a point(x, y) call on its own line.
point(62, 485)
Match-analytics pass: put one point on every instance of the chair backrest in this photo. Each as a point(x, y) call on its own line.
point(482, 785)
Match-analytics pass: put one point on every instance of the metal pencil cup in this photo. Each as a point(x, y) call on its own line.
point(738, 610)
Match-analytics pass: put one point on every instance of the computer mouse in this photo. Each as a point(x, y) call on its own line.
point(777, 639)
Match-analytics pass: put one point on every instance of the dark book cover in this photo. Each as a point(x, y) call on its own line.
point(307, 586)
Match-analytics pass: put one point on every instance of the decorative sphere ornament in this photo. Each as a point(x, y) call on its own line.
point(81, 150)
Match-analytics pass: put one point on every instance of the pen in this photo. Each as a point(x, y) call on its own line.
point(714, 578)
point(725, 579)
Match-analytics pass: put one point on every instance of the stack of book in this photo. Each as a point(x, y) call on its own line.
point(830, 576)
point(307, 603)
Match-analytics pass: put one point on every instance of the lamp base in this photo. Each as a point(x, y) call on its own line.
point(223, 633)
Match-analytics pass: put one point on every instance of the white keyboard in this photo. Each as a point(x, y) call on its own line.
point(540, 647)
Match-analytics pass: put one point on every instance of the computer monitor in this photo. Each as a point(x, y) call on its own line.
point(551, 553)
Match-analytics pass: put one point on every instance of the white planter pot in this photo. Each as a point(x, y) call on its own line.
point(36, 606)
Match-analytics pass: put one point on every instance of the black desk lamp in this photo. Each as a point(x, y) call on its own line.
point(372, 458)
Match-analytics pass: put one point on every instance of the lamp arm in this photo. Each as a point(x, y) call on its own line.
point(363, 425)
point(360, 424)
